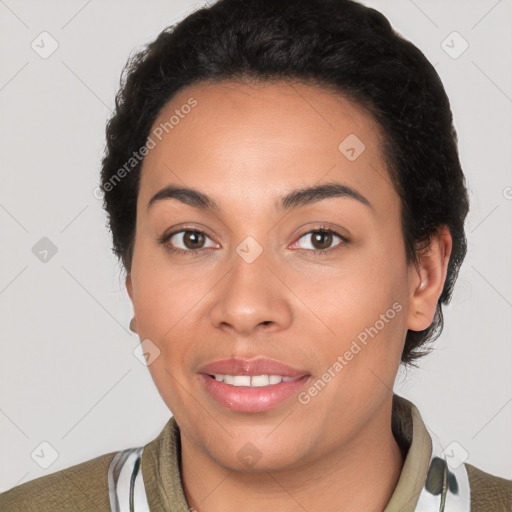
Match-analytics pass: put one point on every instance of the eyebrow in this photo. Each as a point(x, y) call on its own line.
point(295, 199)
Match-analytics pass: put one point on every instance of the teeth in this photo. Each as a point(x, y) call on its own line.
point(274, 379)
point(241, 380)
point(254, 381)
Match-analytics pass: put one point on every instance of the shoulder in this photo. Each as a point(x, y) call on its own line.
point(488, 492)
point(82, 487)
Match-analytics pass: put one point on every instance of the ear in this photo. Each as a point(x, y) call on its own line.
point(427, 280)
point(133, 321)
point(129, 286)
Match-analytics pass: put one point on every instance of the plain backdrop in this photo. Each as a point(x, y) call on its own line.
point(68, 375)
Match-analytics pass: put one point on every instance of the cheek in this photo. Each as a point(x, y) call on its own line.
point(365, 301)
point(162, 293)
point(169, 306)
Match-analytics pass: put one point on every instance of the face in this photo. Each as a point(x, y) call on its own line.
point(317, 282)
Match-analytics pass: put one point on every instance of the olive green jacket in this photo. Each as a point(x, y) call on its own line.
point(429, 481)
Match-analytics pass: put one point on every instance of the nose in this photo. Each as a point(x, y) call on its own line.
point(252, 297)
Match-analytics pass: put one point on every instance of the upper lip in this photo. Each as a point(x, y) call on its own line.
point(255, 366)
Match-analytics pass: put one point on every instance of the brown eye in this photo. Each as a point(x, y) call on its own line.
point(193, 239)
point(322, 240)
point(186, 241)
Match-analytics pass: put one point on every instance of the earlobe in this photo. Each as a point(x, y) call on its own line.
point(128, 283)
point(133, 325)
point(427, 280)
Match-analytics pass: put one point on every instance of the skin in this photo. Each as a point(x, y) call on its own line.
point(245, 146)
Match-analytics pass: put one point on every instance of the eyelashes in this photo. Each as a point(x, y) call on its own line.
point(198, 235)
point(331, 233)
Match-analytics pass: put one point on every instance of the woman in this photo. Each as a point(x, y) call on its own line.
point(284, 191)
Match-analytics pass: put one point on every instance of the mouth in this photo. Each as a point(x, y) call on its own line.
point(251, 385)
point(240, 367)
point(254, 381)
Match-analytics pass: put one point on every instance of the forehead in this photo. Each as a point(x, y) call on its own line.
point(237, 139)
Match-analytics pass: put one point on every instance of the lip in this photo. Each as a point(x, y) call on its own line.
point(254, 366)
point(245, 398)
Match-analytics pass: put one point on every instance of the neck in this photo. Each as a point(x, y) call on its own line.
point(338, 482)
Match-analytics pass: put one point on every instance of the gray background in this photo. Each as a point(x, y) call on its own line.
point(68, 375)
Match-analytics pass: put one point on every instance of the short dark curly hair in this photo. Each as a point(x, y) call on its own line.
point(338, 44)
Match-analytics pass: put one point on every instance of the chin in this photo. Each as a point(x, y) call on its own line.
point(255, 454)
point(252, 464)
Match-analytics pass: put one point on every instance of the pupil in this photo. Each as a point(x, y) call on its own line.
point(327, 240)
point(193, 235)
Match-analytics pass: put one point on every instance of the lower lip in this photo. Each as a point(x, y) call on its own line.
point(248, 399)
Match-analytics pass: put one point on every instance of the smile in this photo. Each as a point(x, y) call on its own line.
point(253, 381)
point(256, 393)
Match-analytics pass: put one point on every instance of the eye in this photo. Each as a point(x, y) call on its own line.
point(321, 240)
point(192, 241)
point(186, 241)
